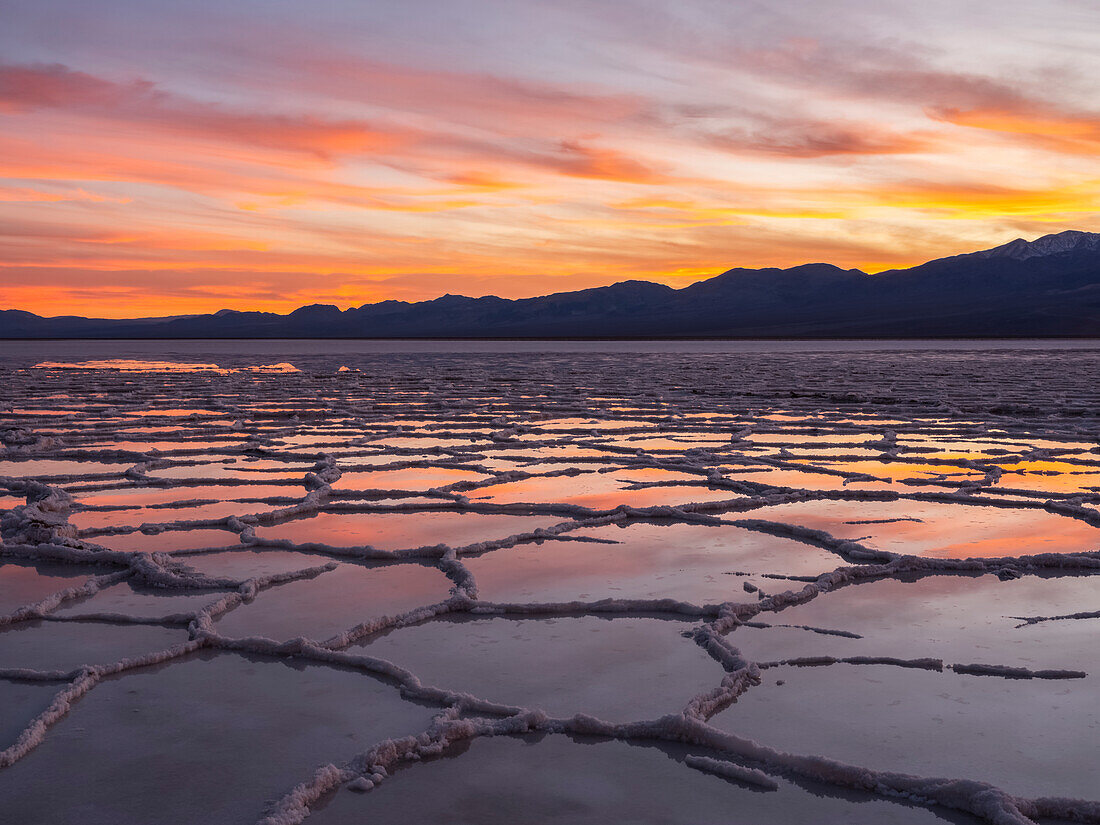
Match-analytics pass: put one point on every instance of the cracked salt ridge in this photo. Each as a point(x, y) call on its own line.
point(178, 743)
point(983, 800)
point(1081, 614)
point(586, 781)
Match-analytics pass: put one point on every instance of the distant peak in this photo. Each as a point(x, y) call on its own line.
point(315, 310)
point(1071, 240)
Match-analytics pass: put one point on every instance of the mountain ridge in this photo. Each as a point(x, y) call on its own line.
point(1049, 287)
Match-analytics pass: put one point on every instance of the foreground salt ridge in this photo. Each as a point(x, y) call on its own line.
point(42, 530)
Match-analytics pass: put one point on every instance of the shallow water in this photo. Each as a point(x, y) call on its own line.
point(68, 646)
point(1031, 737)
point(159, 745)
point(534, 543)
point(322, 607)
point(393, 531)
point(618, 669)
point(696, 563)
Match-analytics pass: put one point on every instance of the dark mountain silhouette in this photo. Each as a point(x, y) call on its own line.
point(1049, 287)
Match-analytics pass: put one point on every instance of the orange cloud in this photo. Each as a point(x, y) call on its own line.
point(126, 196)
point(25, 89)
point(26, 194)
point(1066, 132)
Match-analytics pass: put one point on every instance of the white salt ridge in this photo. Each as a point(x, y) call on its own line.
point(732, 771)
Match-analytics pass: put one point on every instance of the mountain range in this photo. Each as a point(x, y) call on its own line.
point(1049, 287)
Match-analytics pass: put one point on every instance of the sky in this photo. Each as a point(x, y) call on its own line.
point(162, 158)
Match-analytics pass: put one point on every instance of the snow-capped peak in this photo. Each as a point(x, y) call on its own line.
point(1071, 240)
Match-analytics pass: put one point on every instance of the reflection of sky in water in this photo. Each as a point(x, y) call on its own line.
point(1030, 737)
point(69, 645)
point(941, 530)
point(147, 434)
point(620, 669)
point(960, 619)
point(24, 583)
point(391, 531)
point(133, 365)
point(265, 724)
point(596, 491)
point(324, 606)
point(685, 562)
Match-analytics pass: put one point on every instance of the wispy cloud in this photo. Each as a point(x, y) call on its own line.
point(355, 154)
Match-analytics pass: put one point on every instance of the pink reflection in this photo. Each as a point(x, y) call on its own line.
point(143, 496)
point(599, 491)
point(260, 470)
point(166, 446)
point(245, 563)
point(138, 365)
point(58, 467)
point(167, 541)
point(685, 562)
point(411, 478)
point(23, 584)
point(89, 519)
point(941, 530)
point(392, 531)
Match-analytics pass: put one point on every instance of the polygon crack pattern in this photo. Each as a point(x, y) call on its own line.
point(784, 571)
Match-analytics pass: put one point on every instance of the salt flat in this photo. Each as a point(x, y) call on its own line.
point(759, 582)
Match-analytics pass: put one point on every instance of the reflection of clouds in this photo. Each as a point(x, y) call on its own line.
point(943, 530)
point(131, 365)
point(365, 538)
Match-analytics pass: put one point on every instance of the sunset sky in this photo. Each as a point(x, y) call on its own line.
point(161, 158)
